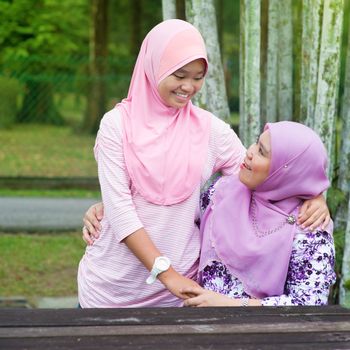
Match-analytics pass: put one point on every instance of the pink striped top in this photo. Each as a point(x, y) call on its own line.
point(109, 274)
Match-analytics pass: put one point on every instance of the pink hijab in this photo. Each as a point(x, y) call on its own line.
point(165, 148)
point(249, 229)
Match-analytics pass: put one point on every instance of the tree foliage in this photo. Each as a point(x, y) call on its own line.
point(47, 27)
point(30, 30)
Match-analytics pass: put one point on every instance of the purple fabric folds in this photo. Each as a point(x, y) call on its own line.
point(248, 230)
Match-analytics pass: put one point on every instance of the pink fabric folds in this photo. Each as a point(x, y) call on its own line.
point(248, 229)
point(165, 148)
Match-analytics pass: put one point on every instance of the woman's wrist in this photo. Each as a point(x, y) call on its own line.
point(167, 275)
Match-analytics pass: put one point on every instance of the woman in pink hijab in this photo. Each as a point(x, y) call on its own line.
point(155, 150)
point(253, 250)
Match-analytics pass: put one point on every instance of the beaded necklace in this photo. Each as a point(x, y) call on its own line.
point(291, 219)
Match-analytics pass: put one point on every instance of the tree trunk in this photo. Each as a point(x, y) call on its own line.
point(264, 25)
point(169, 9)
point(249, 126)
point(96, 100)
point(328, 75)
point(135, 27)
point(279, 85)
point(310, 48)
point(213, 94)
point(272, 62)
point(285, 61)
point(219, 6)
point(344, 292)
point(342, 220)
point(181, 9)
point(297, 42)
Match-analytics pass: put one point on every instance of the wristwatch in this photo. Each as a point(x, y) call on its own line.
point(161, 264)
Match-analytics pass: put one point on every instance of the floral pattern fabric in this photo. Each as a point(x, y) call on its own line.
point(310, 273)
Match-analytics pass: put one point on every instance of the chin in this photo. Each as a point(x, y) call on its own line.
point(241, 178)
point(245, 182)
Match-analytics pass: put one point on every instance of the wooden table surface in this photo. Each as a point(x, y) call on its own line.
point(270, 328)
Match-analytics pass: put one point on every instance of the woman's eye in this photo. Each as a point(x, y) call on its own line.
point(198, 79)
point(178, 76)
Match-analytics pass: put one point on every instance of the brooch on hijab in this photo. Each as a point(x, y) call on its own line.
point(291, 219)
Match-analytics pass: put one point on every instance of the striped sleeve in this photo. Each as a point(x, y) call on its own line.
point(229, 148)
point(114, 180)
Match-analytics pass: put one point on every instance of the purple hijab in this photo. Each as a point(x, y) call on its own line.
point(248, 231)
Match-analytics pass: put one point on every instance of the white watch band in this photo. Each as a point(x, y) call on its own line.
point(161, 264)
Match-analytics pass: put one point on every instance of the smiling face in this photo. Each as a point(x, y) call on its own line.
point(177, 89)
point(256, 166)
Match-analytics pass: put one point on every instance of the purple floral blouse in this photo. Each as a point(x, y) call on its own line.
point(310, 274)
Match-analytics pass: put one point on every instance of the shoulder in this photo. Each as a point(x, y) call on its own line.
point(223, 140)
point(218, 126)
point(111, 123)
point(111, 119)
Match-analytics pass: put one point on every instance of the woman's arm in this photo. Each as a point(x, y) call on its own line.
point(143, 248)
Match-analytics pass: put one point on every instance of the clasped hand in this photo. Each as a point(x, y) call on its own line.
point(175, 283)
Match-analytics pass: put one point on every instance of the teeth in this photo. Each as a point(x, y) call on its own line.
point(181, 95)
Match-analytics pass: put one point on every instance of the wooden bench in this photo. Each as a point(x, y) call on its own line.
point(270, 328)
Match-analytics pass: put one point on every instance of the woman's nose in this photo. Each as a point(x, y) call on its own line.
point(186, 86)
point(250, 152)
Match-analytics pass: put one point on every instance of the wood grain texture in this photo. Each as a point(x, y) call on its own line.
point(176, 328)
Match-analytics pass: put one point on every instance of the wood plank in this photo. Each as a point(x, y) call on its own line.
point(158, 316)
point(314, 341)
point(248, 328)
point(304, 328)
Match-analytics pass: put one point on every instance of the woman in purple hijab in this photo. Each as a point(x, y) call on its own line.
point(253, 252)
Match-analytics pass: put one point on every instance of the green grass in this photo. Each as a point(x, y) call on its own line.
point(39, 265)
point(46, 150)
point(66, 193)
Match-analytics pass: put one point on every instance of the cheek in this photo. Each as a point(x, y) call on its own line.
point(165, 86)
point(262, 171)
point(199, 85)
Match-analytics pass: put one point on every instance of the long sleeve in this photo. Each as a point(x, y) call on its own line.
point(114, 180)
point(311, 271)
point(230, 151)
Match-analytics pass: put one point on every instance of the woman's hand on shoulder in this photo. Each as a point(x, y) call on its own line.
point(92, 225)
point(314, 213)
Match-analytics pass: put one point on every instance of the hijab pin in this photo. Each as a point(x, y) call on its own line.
point(291, 219)
point(286, 166)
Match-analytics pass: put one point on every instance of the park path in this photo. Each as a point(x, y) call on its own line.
point(42, 214)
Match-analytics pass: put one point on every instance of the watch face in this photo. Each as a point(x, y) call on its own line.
point(162, 263)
